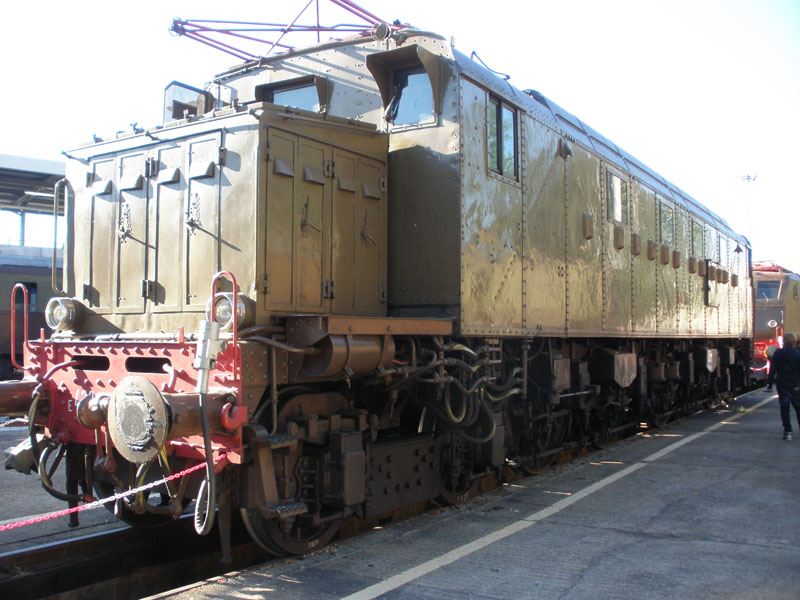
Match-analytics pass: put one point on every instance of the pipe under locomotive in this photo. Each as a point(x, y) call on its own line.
point(367, 301)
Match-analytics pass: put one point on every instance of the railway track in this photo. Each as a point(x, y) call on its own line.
point(122, 563)
point(129, 563)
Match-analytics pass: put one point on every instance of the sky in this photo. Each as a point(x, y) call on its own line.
point(705, 92)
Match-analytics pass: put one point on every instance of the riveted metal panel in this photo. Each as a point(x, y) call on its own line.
point(280, 230)
point(666, 281)
point(682, 246)
point(239, 219)
point(696, 282)
point(544, 229)
point(102, 223)
point(584, 268)
point(370, 234)
point(491, 223)
point(616, 265)
point(343, 234)
point(723, 287)
point(202, 218)
point(167, 217)
point(311, 216)
point(643, 222)
point(131, 233)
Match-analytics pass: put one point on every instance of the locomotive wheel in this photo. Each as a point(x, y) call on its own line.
point(272, 537)
point(457, 480)
point(103, 488)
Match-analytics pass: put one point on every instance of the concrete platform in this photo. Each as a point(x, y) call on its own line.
point(705, 509)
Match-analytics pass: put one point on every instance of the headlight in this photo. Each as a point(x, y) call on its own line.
point(61, 313)
point(222, 311)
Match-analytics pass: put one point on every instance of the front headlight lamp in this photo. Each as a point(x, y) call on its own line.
point(62, 313)
point(222, 310)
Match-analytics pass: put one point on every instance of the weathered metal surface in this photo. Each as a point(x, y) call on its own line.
point(584, 267)
point(305, 331)
point(616, 263)
point(491, 218)
point(544, 271)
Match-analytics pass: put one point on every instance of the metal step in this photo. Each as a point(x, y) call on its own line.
point(280, 440)
point(288, 509)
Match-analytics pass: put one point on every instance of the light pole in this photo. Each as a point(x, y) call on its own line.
point(749, 179)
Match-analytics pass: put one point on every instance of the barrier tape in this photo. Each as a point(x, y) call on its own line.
point(98, 503)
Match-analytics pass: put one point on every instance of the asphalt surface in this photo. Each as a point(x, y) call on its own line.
point(707, 508)
point(22, 496)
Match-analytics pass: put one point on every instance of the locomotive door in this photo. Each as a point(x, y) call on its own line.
point(99, 212)
point(325, 228)
point(201, 214)
point(358, 224)
point(131, 232)
point(311, 212)
point(166, 217)
point(298, 205)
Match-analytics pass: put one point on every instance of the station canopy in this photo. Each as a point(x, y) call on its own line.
point(26, 184)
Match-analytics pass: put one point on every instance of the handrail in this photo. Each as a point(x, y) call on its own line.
point(25, 311)
point(54, 268)
point(235, 306)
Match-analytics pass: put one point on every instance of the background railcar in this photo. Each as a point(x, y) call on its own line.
point(401, 271)
point(777, 310)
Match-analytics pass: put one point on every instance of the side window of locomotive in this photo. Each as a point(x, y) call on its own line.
point(617, 191)
point(711, 248)
point(412, 98)
point(768, 290)
point(304, 97)
point(667, 225)
point(502, 138)
point(697, 239)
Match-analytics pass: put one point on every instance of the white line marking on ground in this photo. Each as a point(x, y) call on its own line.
point(410, 575)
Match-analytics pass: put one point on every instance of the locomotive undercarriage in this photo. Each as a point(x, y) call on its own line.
point(430, 423)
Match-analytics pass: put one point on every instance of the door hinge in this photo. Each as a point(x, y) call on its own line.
point(151, 167)
point(148, 289)
point(383, 295)
point(329, 289)
point(265, 284)
point(327, 168)
point(382, 183)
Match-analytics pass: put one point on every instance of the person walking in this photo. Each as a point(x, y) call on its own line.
point(784, 372)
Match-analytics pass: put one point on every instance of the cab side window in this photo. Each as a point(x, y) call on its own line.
point(304, 97)
point(697, 239)
point(302, 93)
point(617, 193)
point(667, 225)
point(412, 98)
point(502, 138)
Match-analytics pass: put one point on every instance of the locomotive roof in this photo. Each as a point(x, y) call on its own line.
point(550, 113)
point(537, 105)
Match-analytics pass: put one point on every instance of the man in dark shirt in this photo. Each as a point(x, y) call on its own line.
point(784, 371)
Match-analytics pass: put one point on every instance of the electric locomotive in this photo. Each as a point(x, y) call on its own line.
point(777, 310)
point(360, 275)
